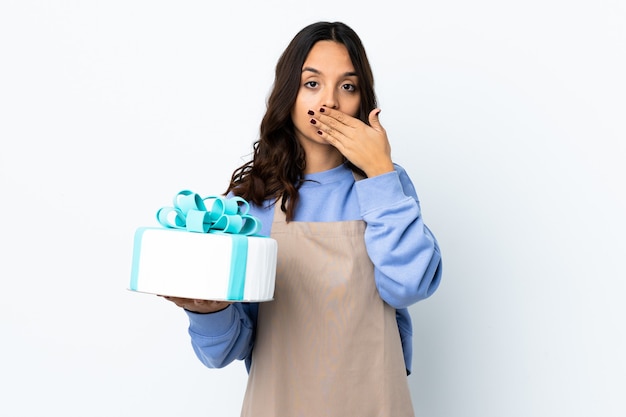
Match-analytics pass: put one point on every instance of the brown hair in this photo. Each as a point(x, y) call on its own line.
point(277, 166)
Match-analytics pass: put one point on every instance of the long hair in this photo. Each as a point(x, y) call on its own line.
point(278, 162)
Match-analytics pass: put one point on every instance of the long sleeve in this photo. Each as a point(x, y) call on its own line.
point(222, 337)
point(405, 253)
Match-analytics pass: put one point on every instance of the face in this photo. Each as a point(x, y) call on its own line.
point(328, 80)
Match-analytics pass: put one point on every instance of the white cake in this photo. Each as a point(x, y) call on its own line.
point(210, 266)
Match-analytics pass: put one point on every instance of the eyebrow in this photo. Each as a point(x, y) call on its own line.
point(315, 71)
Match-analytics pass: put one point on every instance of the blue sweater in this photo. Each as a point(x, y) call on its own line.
point(404, 252)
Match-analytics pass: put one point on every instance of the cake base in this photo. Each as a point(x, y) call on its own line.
point(205, 266)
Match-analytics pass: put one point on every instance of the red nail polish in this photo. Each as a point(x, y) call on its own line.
point(313, 121)
point(322, 110)
point(319, 132)
point(310, 112)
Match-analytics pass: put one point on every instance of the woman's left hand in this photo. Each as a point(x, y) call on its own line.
point(365, 146)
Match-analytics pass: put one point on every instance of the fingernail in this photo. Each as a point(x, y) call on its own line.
point(311, 112)
point(322, 110)
point(313, 121)
point(319, 132)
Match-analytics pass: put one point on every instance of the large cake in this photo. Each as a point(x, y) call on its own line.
point(207, 249)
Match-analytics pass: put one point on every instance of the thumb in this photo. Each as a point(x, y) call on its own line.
point(374, 120)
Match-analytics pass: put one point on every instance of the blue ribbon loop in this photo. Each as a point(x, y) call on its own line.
point(213, 214)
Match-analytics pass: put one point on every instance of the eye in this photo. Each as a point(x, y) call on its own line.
point(311, 84)
point(349, 87)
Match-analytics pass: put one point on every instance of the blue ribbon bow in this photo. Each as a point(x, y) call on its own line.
point(223, 215)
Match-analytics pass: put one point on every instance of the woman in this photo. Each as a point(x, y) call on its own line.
point(354, 252)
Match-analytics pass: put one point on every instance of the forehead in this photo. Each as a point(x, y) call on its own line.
point(329, 55)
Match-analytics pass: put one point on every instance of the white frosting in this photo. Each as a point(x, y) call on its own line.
point(197, 265)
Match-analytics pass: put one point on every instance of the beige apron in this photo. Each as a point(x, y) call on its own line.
point(327, 345)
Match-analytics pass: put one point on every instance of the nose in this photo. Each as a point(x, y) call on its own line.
point(330, 100)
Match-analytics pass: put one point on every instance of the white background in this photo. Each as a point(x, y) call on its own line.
point(509, 117)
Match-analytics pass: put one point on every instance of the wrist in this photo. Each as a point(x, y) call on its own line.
point(207, 307)
point(379, 169)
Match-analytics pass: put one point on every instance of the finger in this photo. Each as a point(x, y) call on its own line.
point(180, 302)
point(336, 119)
point(332, 115)
point(204, 303)
point(325, 130)
point(330, 127)
point(333, 140)
point(375, 120)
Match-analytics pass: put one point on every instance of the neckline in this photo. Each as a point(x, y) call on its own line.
point(339, 173)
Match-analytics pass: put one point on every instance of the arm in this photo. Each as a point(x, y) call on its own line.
point(224, 336)
point(405, 253)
